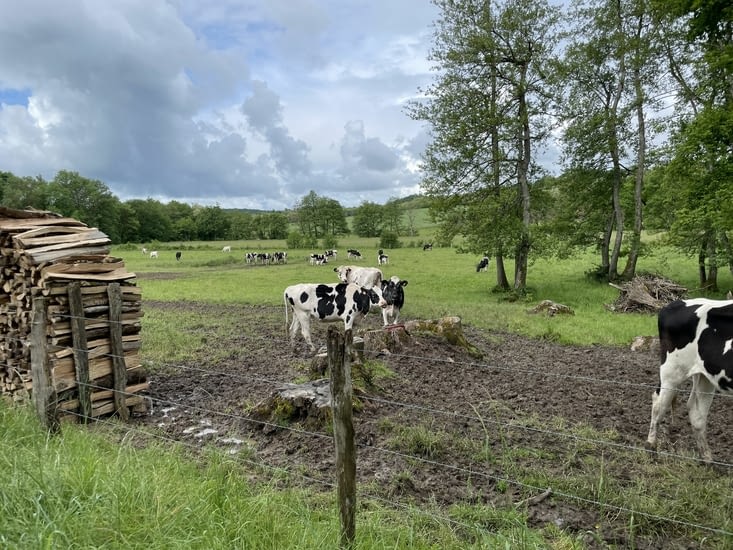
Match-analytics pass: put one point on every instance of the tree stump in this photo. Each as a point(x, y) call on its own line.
point(391, 339)
point(449, 328)
point(309, 402)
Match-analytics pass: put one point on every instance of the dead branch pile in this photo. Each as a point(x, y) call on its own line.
point(646, 293)
point(41, 253)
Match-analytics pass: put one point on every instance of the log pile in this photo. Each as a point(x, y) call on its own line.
point(42, 256)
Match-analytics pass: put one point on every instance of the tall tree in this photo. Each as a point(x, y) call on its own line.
point(488, 112)
point(89, 201)
point(320, 216)
point(611, 70)
point(698, 39)
point(367, 219)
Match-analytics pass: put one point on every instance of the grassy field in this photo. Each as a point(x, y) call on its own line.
point(441, 282)
point(97, 487)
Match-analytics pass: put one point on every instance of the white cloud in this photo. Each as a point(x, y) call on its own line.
point(239, 103)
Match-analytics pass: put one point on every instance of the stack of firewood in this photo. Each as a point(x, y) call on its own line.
point(41, 254)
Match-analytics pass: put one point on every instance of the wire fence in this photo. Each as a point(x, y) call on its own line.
point(474, 415)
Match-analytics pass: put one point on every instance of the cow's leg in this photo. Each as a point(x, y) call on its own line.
point(294, 325)
point(304, 321)
point(671, 378)
point(698, 406)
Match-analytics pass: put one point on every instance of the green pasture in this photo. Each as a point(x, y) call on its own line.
point(441, 282)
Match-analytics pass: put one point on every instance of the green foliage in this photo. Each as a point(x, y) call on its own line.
point(389, 239)
point(367, 220)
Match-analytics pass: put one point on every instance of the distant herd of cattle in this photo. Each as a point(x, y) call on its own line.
point(696, 335)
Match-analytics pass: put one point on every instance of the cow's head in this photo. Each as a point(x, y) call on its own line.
point(343, 272)
point(392, 293)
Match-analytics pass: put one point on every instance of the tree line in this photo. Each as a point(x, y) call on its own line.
point(313, 221)
point(639, 96)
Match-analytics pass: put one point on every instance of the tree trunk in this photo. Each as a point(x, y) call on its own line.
point(630, 269)
point(501, 279)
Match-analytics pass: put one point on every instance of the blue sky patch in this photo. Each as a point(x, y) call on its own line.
point(15, 97)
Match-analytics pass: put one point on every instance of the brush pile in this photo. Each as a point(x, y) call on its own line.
point(646, 293)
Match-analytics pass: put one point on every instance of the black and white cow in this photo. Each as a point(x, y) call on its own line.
point(348, 302)
point(696, 341)
point(382, 258)
point(483, 265)
point(392, 300)
point(331, 253)
point(178, 256)
point(353, 253)
point(427, 246)
point(318, 259)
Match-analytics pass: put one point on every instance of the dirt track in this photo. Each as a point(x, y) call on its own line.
point(522, 399)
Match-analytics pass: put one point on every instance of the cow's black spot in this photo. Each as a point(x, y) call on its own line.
point(303, 297)
point(325, 301)
point(677, 326)
point(711, 345)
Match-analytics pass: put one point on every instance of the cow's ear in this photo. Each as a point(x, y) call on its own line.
point(336, 269)
point(403, 283)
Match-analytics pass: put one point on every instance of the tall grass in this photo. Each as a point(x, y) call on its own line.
point(92, 490)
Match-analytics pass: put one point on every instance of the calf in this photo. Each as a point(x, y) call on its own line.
point(392, 300)
point(331, 253)
point(178, 256)
point(226, 249)
point(382, 258)
point(343, 301)
point(154, 254)
point(427, 246)
point(695, 338)
point(483, 265)
point(353, 253)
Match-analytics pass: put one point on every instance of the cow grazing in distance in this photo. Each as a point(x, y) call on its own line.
point(178, 256)
point(427, 246)
point(382, 258)
point(695, 338)
point(483, 265)
point(392, 300)
point(331, 253)
point(154, 254)
point(347, 302)
point(368, 277)
point(353, 253)
point(227, 249)
point(144, 251)
point(318, 259)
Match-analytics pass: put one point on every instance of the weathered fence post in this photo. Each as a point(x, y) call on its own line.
point(44, 395)
point(119, 369)
point(81, 351)
point(339, 348)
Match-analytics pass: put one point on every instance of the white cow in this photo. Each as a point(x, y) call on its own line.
point(227, 249)
point(369, 277)
point(326, 302)
point(153, 253)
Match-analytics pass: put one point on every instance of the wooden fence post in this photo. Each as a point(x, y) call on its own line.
point(44, 395)
point(119, 368)
point(81, 351)
point(339, 363)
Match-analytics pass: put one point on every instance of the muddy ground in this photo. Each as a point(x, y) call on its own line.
point(447, 427)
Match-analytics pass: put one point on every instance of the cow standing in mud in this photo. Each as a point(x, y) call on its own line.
point(696, 341)
point(348, 302)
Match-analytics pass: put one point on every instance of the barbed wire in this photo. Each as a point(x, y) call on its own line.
point(441, 465)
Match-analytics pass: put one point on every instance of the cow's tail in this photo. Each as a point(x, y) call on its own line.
point(285, 301)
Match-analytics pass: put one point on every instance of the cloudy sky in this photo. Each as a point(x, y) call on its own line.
point(241, 103)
